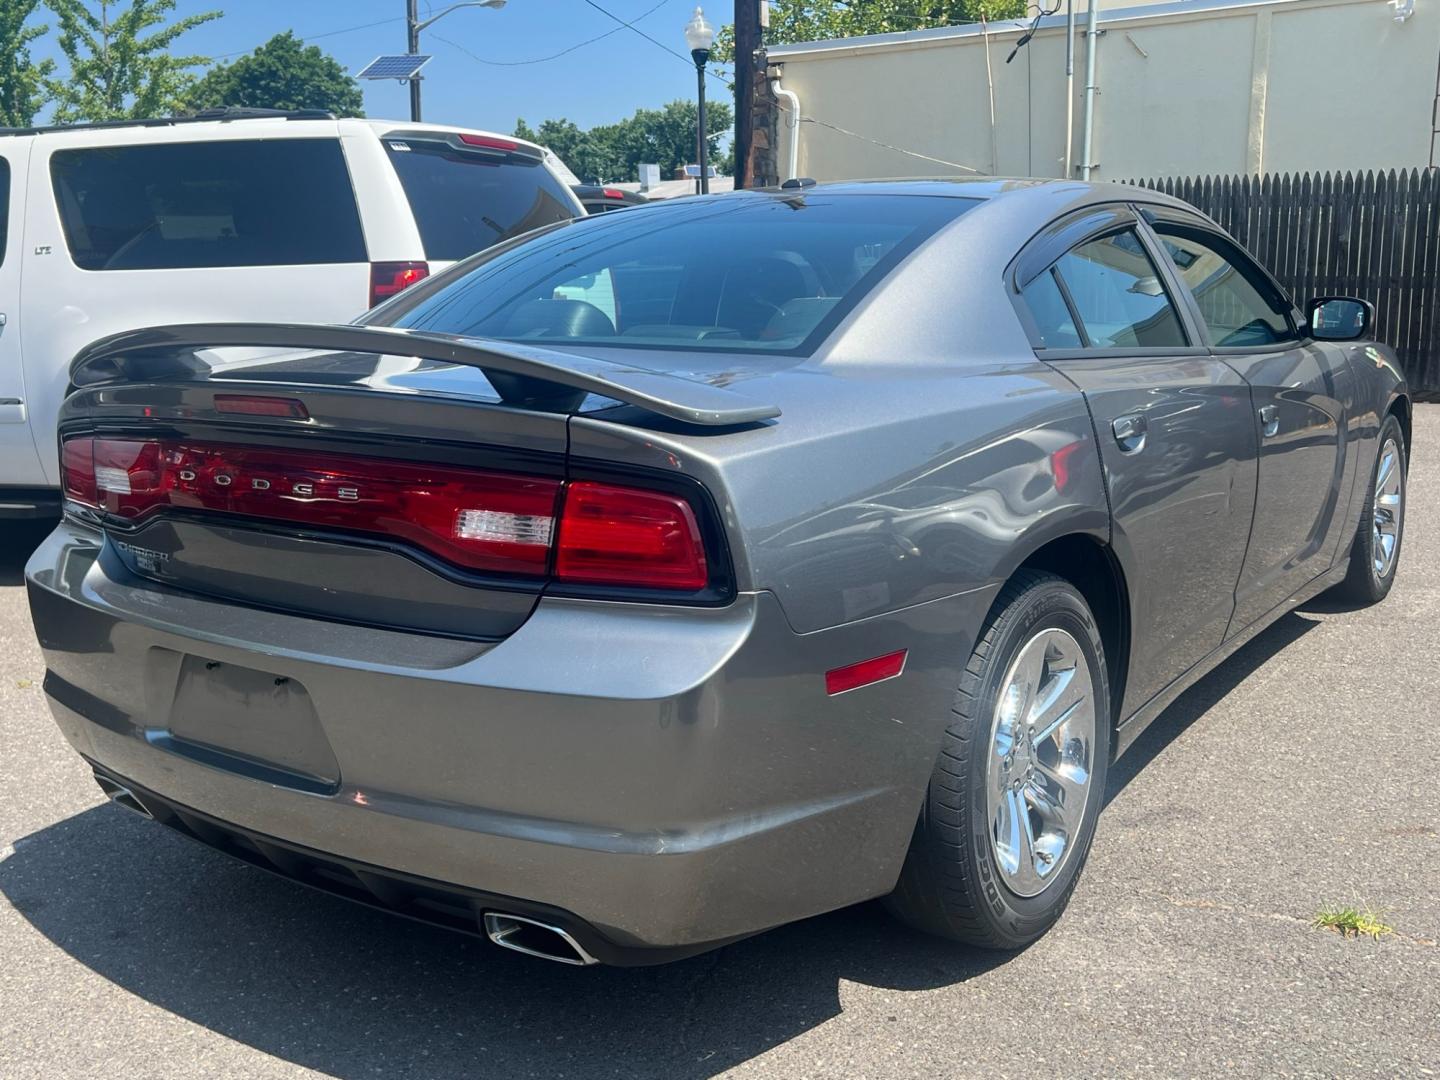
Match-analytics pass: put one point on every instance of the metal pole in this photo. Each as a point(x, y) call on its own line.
point(1069, 87)
point(1087, 137)
point(702, 143)
point(412, 33)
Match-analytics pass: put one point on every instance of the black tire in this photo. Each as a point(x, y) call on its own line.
point(951, 884)
point(1363, 585)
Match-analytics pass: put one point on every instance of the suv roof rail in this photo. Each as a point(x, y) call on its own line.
point(228, 112)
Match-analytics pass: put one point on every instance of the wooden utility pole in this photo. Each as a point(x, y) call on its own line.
point(747, 44)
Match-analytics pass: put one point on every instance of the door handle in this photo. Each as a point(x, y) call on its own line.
point(1130, 431)
point(1269, 421)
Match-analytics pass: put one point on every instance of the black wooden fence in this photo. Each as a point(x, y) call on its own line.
point(1374, 235)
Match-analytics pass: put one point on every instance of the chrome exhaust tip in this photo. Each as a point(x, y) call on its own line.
point(522, 935)
point(120, 795)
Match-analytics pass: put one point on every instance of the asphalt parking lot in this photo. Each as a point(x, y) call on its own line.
point(1301, 772)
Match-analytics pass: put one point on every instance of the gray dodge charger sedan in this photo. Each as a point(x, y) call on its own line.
point(655, 579)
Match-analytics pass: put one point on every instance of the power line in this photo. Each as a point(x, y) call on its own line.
point(876, 142)
point(553, 56)
point(687, 61)
point(317, 37)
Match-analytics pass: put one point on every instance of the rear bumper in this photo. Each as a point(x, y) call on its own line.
point(656, 778)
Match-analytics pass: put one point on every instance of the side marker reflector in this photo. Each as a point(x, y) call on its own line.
point(853, 676)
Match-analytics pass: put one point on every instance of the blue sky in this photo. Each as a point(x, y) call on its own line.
point(596, 83)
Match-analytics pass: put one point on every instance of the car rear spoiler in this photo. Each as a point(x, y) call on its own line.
point(523, 376)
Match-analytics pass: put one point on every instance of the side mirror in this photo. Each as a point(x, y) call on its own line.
point(1340, 318)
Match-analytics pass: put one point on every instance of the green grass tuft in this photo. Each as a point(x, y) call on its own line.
point(1351, 921)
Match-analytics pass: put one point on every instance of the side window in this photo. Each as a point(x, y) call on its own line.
point(1119, 296)
point(1237, 303)
point(1050, 312)
point(4, 207)
point(263, 202)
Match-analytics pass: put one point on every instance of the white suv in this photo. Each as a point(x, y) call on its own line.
point(240, 216)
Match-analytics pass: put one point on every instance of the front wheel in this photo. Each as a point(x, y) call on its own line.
point(1375, 554)
point(1012, 803)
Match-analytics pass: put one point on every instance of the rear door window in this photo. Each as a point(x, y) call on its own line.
point(464, 202)
point(263, 202)
point(1118, 294)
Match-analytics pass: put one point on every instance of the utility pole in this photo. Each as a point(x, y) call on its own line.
point(747, 46)
point(412, 46)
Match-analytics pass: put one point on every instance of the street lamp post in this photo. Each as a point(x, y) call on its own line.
point(413, 26)
point(700, 35)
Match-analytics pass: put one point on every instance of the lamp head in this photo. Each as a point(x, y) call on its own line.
point(700, 36)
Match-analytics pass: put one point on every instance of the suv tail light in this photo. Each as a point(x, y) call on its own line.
point(487, 522)
point(389, 278)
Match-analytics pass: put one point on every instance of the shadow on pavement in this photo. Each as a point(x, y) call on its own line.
point(335, 987)
point(350, 992)
point(17, 540)
point(1200, 698)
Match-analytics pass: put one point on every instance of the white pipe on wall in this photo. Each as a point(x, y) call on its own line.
point(1087, 127)
point(792, 122)
point(1069, 86)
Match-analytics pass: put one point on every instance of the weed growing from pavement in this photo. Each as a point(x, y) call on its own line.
point(1350, 921)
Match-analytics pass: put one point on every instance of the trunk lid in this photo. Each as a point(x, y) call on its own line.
point(362, 485)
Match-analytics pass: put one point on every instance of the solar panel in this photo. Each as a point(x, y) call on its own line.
point(398, 66)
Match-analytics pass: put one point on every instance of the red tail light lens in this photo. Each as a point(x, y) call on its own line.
point(389, 278)
point(488, 522)
point(77, 471)
point(625, 536)
point(490, 142)
point(483, 521)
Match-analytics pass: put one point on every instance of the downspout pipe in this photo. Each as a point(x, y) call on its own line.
point(1069, 88)
point(792, 123)
point(1087, 125)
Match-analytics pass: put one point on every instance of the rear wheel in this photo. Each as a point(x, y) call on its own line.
point(1011, 807)
point(1375, 554)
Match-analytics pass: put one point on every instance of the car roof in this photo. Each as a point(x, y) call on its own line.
point(988, 188)
point(256, 124)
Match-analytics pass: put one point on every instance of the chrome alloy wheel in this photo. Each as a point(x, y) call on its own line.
point(1037, 774)
point(1388, 516)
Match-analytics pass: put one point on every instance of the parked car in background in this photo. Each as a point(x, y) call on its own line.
point(598, 198)
point(639, 585)
point(240, 214)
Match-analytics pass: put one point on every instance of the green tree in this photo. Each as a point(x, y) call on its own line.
point(608, 152)
point(819, 20)
point(118, 71)
point(281, 74)
point(22, 81)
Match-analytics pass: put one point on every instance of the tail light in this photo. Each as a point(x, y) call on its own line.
point(624, 536)
point(481, 521)
point(490, 142)
point(578, 532)
point(389, 278)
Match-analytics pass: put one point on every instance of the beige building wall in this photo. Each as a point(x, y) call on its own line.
point(1185, 89)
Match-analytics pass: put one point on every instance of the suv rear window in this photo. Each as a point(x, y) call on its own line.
point(743, 273)
point(162, 206)
point(465, 202)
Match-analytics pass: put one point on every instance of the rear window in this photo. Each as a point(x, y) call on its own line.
point(465, 202)
point(747, 273)
point(264, 202)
